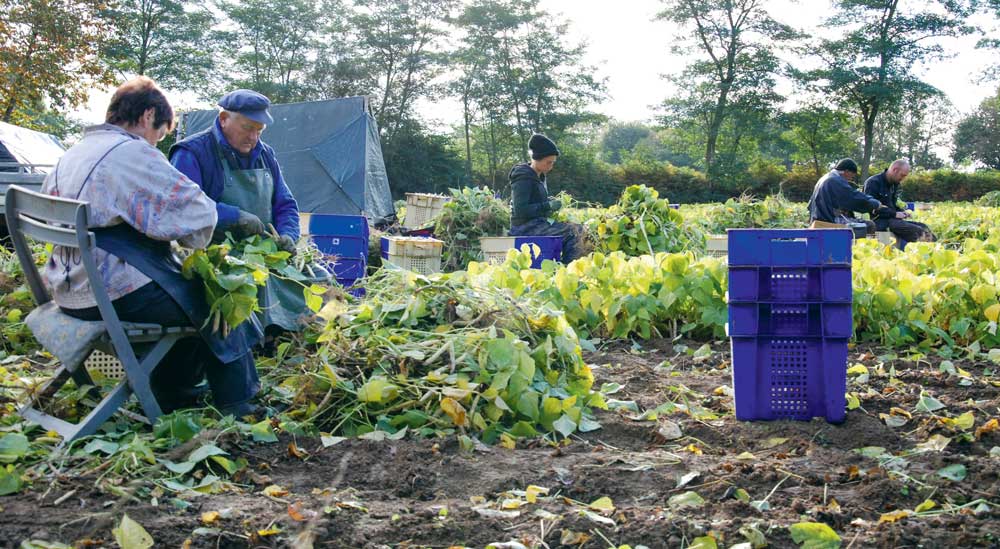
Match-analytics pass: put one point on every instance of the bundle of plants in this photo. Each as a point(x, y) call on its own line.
point(748, 212)
point(472, 213)
point(991, 199)
point(438, 356)
point(643, 223)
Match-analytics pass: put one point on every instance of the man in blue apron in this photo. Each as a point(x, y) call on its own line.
point(240, 173)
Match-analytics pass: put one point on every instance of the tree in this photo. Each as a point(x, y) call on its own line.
point(735, 42)
point(819, 134)
point(621, 137)
point(919, 125)
point(171, 41)
point(869, 69)
point(399, 46)
point(49, 53)
point(978, 135)
point(274, 44)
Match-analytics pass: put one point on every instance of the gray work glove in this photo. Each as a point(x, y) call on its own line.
point(555, 204)
point(248, 224)
point(286, 244)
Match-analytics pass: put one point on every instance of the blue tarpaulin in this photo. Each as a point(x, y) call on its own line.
point(329, 153)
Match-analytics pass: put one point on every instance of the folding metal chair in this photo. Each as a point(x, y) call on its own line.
point(139, 347)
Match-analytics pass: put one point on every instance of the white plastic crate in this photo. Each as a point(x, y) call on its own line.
point(107, 365)
point(420, 255)
point(717, 245)
point(495, 248)
point(886, 237)
point(421, 208)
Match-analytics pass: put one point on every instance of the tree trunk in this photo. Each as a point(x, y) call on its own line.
point(468, 140)
point(866, 159)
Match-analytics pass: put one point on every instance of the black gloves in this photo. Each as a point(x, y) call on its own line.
point(248, 224)
point(555, 204)
point(286, 244)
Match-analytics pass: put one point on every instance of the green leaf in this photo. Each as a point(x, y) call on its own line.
point(101, 445)
point(205, 452)
point(13, 446)
point(10, 480)
point(262, 432)
point(564, 425)
point(131, 535)
point(956, 472)
point(814, 535)
point(685, 500)
point(928, 403)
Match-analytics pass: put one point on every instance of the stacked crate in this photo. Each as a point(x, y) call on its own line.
point(790, 297)
point(343, 239)
point(495, 248)
point(421, 208)
point(421, 255)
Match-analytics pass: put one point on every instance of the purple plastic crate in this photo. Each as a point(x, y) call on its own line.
point(347, 268)
point(790, 284)
point(790, 378)
point(338, 225)
point(352, 286)
point(550, 247)
point(342, 245)
point(789, 247)
point(790, 319)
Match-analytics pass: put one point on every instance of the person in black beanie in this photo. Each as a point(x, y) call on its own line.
point(532, 206)
point(835, 198)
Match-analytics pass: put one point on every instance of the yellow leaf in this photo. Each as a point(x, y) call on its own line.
point(209, 517)
point(511, 503)
point(602, 504)
point(993, 312)
point(455, 411)
point(746, 456)
point(927, 505)
point(900, 412)
point(694, 449)
point(857, 369)
point(965, 421)
point(533, 492)
point(269, 532)
point(894, 516)
point(275, 491)
point(507, 441)
point(990, 426)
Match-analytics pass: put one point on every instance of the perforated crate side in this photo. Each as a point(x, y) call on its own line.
point(420, 265)
point(105, 364)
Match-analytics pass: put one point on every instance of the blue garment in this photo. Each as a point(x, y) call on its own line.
point(834, 198)
point(196, 158)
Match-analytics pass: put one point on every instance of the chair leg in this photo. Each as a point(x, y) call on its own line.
point(82, 378)
point(139, 375)
point(101, 413)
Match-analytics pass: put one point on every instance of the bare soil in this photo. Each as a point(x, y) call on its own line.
point(423, 493)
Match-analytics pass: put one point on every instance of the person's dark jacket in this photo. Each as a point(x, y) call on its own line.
point(834, 197)
point(879, 187)
point(529, 195)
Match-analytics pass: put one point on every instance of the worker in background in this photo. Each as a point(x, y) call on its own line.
point(138, 204)
point(240, 172)
point(885, 188)
point(835, 198)
point(532, 206)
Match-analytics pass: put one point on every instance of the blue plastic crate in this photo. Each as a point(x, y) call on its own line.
point(789, 247)
point(911, 206)
point(338, 225)
point(549, 247)
point(343, 267)
point(790, 378)
point(790, 319)
point(355, 247)
point(353, 286)
point(790, 284)
point(384, 247)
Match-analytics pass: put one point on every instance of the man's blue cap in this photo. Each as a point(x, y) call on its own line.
point(248, 103)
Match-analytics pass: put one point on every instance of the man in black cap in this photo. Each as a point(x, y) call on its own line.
point(240, 173)
point(531, 203)
point(835, 198)
point(885, 187)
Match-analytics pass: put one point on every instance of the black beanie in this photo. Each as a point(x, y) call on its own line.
point(846, 165)
point(541, 147)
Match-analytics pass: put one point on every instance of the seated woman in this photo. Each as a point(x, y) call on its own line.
point(531, 203)
point(138, 204)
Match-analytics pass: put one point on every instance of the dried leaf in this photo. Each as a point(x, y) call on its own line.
point(927, 505)
point(991, 426)
point(532, 493)
point(603, 504)
point(772, 442)
point(569, 537)
point(936, 443)
point(893, 516)
point(275, 491)
point(294, 451)
point(299, 514)
point(209, 517)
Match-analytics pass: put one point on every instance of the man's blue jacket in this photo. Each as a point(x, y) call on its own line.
point(195, 157)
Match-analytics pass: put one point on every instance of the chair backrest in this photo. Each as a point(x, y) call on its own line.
point(61, 222)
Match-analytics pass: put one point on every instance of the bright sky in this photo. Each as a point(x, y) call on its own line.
point(632, 51)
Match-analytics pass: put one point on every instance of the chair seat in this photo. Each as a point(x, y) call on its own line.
point(71, 340)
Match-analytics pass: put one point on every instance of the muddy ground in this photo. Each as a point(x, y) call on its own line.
point(431, 493)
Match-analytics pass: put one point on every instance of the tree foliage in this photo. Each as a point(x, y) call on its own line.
point(819, 134)
point(733, 75)
point(978, 135)
point(870, 68)
point(171, 41)
point(49, 53)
